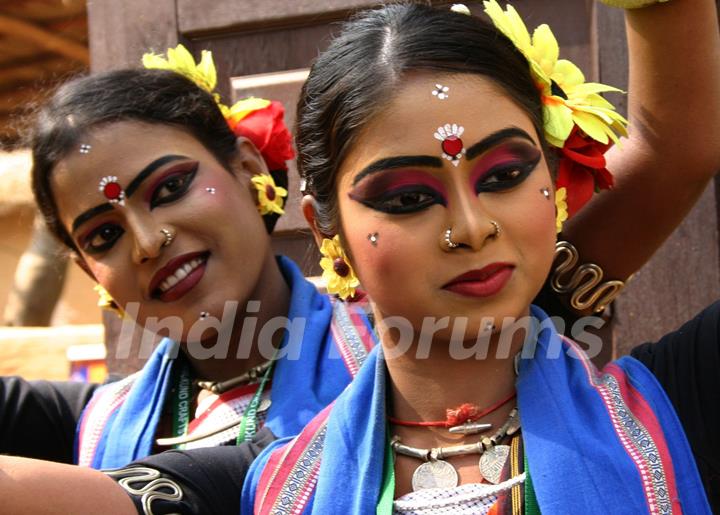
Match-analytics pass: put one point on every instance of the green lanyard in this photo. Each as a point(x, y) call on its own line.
point(387, 491)
point(181, 402)
point(531, 504)
point(248, 426)
point(181, 406)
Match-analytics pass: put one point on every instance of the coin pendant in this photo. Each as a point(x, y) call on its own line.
point(434, 474)
point(264, 405)
point(493, 461)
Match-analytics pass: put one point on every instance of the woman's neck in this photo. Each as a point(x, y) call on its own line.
point(271, 295)
point(422, 388)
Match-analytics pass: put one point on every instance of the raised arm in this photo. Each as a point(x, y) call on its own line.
point(33, 486)
point(673, 150)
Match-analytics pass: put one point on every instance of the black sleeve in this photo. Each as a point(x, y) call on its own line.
point(205, 480)
point(38, 418)
point(687, 364)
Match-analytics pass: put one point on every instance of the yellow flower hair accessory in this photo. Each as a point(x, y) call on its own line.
point(567, 99)
point(270, 195)
point(337, 272)
point(261, 121)
point(180, 60)
point(561, 208)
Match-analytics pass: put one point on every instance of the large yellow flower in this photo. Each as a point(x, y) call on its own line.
point(561, 208)
point(567, 98)
point(180, 60)
point(204, 74)
point(270, 196)
point(337, 272)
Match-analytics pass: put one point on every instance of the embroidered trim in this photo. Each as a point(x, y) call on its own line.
point(288, 480)
point(640, 445)
point(155, 488)
point(633, 435)
point(101, 407)
point(351, 335)
point(300, 484)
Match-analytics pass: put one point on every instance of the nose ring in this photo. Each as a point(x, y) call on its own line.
point(169, 237)
point(448, 239)
point(496, 226)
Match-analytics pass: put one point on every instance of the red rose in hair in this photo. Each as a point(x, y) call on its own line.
point(582, 169)
point(267, 130)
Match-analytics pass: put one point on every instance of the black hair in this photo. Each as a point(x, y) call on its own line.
point(364, 64)
point(150, 96)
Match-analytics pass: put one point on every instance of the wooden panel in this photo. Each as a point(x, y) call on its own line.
point(238, 55)
point(680, 280)
point(611, 52)
point(221, 15)
point(120, 32)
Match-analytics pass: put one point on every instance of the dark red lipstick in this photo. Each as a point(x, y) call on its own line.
point(180, 286)
point(486, 282)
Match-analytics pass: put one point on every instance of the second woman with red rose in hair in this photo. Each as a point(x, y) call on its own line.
point(167, 198)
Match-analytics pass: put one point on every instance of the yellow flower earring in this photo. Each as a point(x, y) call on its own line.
point(270, 196)
point(337, 272)
point(560, 208)
point(106, 301)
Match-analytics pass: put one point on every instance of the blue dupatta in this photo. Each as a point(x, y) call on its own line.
point(595, 442)
point(120, 422)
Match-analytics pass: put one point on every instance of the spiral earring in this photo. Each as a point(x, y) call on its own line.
point(337, 271)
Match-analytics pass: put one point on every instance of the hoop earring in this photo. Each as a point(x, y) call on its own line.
point(337, 271)
point(169, 237)
point(447, 240)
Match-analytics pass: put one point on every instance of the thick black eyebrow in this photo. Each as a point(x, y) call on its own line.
point(389, 163)
point(90, 213)
point(490, 141)
point(131, 188)
point(149, 169)
point(495, 138)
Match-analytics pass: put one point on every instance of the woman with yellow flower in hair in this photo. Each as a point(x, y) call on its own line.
point(434, 181)
point(167, 198)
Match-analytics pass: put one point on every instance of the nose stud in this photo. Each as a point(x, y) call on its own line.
point(169, 237)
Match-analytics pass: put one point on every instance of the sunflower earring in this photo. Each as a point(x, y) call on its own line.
point(337, 271)
point(561, 213)
point(106, 301)
point(270, 195)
